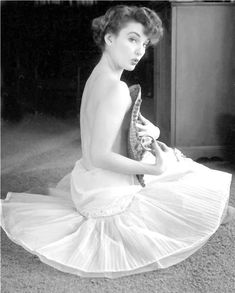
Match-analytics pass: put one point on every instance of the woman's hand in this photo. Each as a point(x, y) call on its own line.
point(165, 157)
point(147, 128)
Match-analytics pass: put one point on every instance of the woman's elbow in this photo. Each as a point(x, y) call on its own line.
point(97, 158)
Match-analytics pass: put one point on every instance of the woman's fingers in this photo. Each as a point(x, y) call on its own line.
point(144, 120)
point(141, 133)
point(156, 148)
point(140, 126)
point(141, 129)
point(163, 146)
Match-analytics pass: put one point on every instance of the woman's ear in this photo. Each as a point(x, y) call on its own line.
point(108, 38)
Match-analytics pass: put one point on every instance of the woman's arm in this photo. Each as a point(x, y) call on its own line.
point(109, 116)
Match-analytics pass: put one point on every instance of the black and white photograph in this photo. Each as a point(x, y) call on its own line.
point(117, 146)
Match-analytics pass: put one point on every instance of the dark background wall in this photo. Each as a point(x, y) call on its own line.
point(48, 53)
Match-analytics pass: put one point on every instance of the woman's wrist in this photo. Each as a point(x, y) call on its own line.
point(152, 169)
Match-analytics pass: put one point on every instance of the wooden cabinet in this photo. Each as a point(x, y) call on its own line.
point(194, 79)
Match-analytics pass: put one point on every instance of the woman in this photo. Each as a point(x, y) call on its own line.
point(104, 223)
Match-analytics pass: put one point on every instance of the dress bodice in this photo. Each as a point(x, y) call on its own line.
point(99, 192)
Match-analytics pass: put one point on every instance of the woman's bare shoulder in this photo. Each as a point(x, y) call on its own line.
point(115, 91)
point(105, 83)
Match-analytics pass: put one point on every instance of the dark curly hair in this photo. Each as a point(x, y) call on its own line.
point(116, 18)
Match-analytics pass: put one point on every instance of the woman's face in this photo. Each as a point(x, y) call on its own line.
point(128, 47)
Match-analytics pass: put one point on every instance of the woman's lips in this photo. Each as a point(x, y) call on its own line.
point(134, 61)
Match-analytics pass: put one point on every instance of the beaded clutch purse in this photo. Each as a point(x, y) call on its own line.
point(137, 146)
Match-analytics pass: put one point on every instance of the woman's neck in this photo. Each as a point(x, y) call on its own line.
point(107, 65)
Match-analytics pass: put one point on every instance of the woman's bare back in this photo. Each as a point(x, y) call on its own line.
point(95, 89)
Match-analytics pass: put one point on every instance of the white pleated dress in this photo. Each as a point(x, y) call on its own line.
point(97, 223)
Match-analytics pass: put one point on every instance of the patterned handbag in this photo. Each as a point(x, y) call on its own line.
point(137, 146)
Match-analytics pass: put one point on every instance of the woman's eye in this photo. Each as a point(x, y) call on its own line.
point(133, 40)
